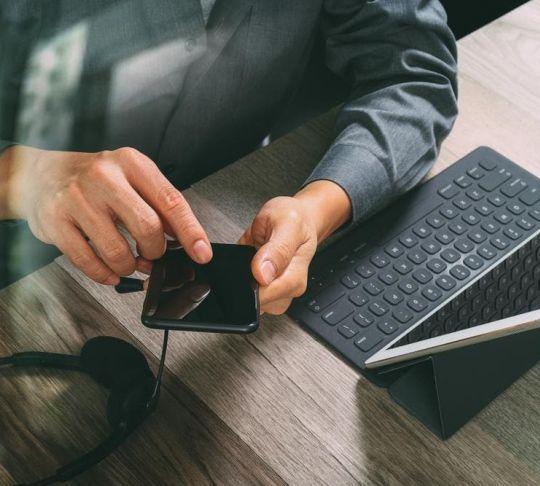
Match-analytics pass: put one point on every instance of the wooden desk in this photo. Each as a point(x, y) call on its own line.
point(277, 406)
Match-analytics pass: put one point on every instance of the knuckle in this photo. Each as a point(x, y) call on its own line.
point(81, 260)
point(128, 153)
point(150, 225)
point(172, 200)
point(300, 288)
point(294, 215)
point(115, 252)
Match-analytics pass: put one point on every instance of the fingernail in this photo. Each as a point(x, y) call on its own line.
point(269, 271)
point(203, 252)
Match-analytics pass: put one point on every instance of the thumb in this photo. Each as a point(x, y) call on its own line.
point(276, 254)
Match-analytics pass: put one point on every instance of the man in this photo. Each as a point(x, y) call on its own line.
point(191, 85)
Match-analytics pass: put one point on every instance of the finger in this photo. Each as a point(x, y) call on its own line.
point(112, 247)
point(274, 257)
point(277, 307)
point(142, 222)
point(72, 244)
point(291, 284)
point(171, 205)
point(143, 265)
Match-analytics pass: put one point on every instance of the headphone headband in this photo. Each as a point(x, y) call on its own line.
point(44, 360)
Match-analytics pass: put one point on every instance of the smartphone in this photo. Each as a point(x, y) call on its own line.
point(220, 296)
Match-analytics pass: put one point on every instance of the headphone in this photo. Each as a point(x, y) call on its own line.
point(120, 368)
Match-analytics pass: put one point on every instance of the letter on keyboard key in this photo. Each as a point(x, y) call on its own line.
point(417, 304)
point(445, 282)
point(365, 343)
point(348, 330)
point(337, 313)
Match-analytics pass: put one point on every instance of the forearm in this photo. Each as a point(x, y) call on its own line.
point(327, 205)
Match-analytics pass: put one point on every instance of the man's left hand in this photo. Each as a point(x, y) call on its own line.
point(286, 239)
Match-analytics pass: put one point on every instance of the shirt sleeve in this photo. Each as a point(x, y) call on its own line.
point(399, 57)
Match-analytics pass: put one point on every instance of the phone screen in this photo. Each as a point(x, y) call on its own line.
point(220, 296)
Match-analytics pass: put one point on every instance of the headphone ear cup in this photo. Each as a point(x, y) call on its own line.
point(114, 363)
point(131, 405)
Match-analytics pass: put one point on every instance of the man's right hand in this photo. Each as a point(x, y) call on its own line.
point(69, 197)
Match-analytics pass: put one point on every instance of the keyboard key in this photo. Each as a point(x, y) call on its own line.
point(448, 191)
point(473, 262)
point(408, 240)
point(379, 260)
point(513, 188)
point(388, 277)
point(464, 246)
point(325, 298)
point(488, 164)
point(408, 286)
point(378, 309)
point(363, 318)
point(393, 297)
point(471, 218)
point(474, 194)
point(445, 282)
point(435, 221)
point(494, 180)
point(490, 227)
point(503, 217)
point(525, 224)
point(497, 200)
point(477, 236)
point(350, 281)
point(487, 252)
point(476, 173)
point(449, 212)
point(535, 213)
point(436, 265)
point(516, 208)
point(483, 209)
point(348, 330)
point(365, 270)
point(458, 228)
point(432, 293)
point(450, 255)
point(373, 288)
point(422, 231)
point(431, 247)
point(403, 267)
point(417, 257)
point(462, 203)
point(337, 314)
point(358, 298)
point(387, 326)
point(402, 315)
point(460, 272)
point(366, 343)
point(530, 196)
point(445, 237)
point(513, 233)
point(417, 304)
point(463, 181)
point(394, 250)
point(422, 276)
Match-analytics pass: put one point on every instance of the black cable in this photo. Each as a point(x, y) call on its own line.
point(159, 376)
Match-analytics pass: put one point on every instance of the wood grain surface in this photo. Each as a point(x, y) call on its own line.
point(276, 406)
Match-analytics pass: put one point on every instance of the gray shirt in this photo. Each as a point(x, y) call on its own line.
point(196, 97)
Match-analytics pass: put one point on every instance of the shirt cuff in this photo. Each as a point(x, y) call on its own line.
point(360, 174)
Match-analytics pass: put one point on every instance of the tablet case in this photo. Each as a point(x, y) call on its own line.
point(445, 390)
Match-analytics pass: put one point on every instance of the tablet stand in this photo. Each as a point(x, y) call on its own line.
point(445, 390)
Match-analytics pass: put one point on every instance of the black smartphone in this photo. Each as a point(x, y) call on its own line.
point(220, 296)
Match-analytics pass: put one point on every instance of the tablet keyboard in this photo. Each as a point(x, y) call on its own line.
point(394, 272)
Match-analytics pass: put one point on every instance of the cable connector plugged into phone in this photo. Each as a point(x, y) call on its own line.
point(130, 285)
